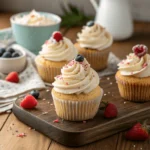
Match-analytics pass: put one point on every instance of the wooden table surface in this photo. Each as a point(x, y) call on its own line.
point(34, 140)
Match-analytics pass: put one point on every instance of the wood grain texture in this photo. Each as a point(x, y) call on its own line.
point(9, 140)
point(83, 133)
point(105, 144)
point(3, 119)
point(4, 20)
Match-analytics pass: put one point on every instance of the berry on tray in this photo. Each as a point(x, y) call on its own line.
point(110, 110)
point(57, 36)
point(28, 102)
point(90, 23)
point(6, 55)
point(138, 132)
point(79, 58)
point(2, 50)
point(11, 50)
point(12, 77)
point(15, 54)
point(35, 93)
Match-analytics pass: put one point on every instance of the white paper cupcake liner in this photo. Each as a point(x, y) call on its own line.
point(77, 110)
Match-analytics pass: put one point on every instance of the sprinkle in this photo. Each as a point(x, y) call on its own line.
point(30, 128)
point(44, 113)
point(108, 78)
point(124, 102)
point(66, 83)
point(43, 99)
point(133, 145)
point(111, 83)
point(21, 135)
point(46, 42)
point(108, 92)
point(141, 148)
point(48, 102)
point(144, 65)
point(84, 121)
point(105, 94)
point(16, 130)
point(51, 104)
point(56, 121)
point(32, 15)
point(47, 90)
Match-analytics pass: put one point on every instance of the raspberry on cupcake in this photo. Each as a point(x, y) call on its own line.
point(55, 53)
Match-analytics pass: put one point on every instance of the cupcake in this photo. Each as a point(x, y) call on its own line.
point(76, 93)
point(133, 77)
point(94, 43)
point(55, 53)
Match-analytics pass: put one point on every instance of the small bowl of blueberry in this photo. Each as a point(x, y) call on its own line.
point(12, 59)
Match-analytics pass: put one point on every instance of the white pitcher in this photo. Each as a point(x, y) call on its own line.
point(115, 16)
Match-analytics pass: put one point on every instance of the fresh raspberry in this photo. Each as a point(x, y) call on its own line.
point(12, 77)
point(57, 36)
point(140, 50)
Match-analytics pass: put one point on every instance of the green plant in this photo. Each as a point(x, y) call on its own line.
point(73, 17)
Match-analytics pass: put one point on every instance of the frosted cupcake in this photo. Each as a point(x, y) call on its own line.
point(94, 43)
point(55, 53)
point(76, 93)
point(133, 76)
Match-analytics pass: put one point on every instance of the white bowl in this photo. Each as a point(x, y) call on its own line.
point(16, 64)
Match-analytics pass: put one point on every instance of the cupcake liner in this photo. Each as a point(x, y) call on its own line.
point(97, 58)
point(76, 110)
point(48, 72)
point(137, 91)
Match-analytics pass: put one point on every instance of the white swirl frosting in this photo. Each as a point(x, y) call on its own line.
point(135, 66)
point(76, 78)
point(94, 37)
point(34, 19)
point(63, 50)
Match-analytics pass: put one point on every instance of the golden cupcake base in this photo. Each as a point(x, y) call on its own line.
point(133, 88)
point(97, 58)
point(79, 107)
point(48, 69)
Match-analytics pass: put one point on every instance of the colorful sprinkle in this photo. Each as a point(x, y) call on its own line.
point(84, 121)
point(56, 121)
point(21, 135)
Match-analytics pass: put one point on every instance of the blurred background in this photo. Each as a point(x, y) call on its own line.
point(140, 8)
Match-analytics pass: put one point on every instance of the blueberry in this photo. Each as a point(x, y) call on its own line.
point(35, 93)
point(2, 50)
point(15, 54)
point(11, 50)
point(79, 58)
point(90, 23)
point(6, 55)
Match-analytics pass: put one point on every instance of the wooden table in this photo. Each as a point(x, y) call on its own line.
point(34, 140)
